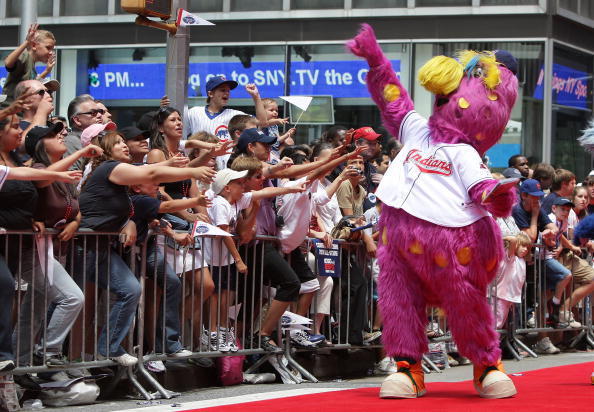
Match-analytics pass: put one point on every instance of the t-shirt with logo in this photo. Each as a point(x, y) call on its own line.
point(431, 180)
point(199, 119)
point(223, 213)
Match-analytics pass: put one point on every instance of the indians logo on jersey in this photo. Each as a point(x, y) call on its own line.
point(222, 133)
point(428, 163)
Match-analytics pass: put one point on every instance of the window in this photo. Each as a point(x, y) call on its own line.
point(44, 8)
point(571, 5)
point(508, 2)
point(376, 4)
point(442, 3)
point(256, 5)
point(197, 6)
point(317, 4)
point(83, 8)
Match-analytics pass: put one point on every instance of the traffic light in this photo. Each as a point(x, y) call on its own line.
point(148, 8)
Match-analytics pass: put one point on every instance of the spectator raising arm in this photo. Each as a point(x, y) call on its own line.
point(125, 174)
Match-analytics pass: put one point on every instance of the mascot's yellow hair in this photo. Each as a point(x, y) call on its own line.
point(441, 75)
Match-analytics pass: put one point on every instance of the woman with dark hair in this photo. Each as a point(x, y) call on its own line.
point(18, 198)
point(57, 208)
point(106, 206)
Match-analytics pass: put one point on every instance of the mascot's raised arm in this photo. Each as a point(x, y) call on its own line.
point(439, 243)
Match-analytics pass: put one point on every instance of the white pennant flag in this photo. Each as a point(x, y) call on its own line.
point(185, 18)
point(206, 229)
point(301, 102)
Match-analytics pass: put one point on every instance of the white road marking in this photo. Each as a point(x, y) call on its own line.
point(233, 400)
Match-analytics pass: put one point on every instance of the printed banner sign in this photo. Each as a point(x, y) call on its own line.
point(147, 80)
point(328, 260)
point(570, 86)
point(344, 78)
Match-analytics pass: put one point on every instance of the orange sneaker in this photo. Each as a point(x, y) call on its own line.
point(492, 382)
point(407, 382)
point(592, 378)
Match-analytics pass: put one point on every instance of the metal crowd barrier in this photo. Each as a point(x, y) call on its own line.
point(87, 256)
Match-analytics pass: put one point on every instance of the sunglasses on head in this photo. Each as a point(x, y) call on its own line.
point(93, 112)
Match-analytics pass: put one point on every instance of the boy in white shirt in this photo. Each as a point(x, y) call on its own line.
point(228, 200)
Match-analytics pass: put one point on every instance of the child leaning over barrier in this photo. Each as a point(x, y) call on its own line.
point(228, 200)
point(511, 275)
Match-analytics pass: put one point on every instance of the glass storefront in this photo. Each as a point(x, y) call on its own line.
point(572, 108)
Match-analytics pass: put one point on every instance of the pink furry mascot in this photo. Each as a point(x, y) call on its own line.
point(439, 244)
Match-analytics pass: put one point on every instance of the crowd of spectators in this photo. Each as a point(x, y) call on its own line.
point(243, 174)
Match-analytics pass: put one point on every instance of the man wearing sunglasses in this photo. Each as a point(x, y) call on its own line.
point(40, 102)
point(83, 111)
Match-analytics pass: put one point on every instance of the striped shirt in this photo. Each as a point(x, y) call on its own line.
point(199, 119)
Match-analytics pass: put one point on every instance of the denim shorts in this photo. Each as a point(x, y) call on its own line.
point(555, 272)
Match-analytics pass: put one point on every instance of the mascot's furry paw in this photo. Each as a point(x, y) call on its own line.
point(365, 45)
point(408, 382)
point(500, 205)
point(492, 382)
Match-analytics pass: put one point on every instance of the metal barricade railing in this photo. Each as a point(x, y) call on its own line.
point(177, 296)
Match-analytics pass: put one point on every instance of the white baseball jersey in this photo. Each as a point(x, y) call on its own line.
point(3, 174)
point(431, 180)
point(198, 119)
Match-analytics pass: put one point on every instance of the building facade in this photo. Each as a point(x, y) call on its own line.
point(296, 47)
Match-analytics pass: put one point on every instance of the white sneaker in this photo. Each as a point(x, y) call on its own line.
point(218, 341)
point(385, 367)
point(369, 337)
point(567, 316)
point(301, 338)
point(7, 365)
point(125, 359)
point(531, 322)
point(231, 339)
point(156, 366)
point(545, 346)
point(182, 353)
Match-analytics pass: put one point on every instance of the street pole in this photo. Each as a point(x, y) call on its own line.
point(178, 53)
point(28, 16)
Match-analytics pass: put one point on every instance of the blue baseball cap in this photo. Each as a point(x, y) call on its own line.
point(216, 81)
point(532, 187)
point(253, 135)
point(563, 201)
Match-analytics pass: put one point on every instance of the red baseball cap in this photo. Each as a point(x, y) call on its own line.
point(366, 133)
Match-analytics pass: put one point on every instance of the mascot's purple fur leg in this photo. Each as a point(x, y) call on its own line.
point(447, 267)
point(402, 306)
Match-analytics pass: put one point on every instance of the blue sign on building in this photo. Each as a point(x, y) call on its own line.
point(147, 81)
point(570, 86)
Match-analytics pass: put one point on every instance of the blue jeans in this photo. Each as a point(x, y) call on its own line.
point(6, 297)
point(67, 301)
point(121, 282)
point(170, 302)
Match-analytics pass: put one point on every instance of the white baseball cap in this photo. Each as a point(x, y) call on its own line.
point(223, 177)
